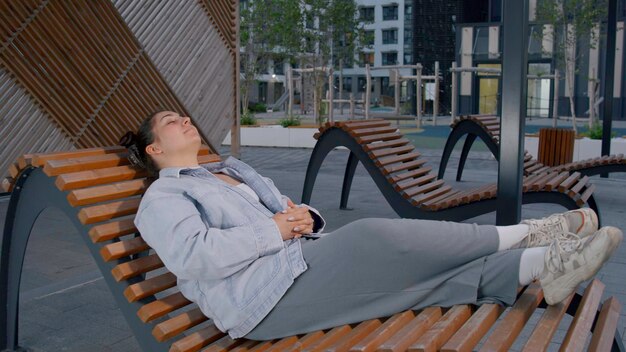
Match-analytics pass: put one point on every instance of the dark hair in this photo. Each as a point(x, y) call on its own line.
point(137, 143)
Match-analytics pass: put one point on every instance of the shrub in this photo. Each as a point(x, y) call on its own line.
point(247, 119)
point(290, 121)
point(595, 132)
point(257, 107)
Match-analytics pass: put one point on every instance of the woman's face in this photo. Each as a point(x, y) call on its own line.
point(174, 135)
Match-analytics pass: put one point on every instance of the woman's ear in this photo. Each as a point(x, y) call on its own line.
point(153, 149)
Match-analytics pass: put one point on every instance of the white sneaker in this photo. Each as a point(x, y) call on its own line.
point(569, 262)
point(581, 222)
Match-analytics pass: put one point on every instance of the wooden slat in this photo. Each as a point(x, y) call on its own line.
point(224, 344)
point(111, 230)
point(442, 200)
point(108, 211)
point(334, 335)
point(442, 330)
point(391, 151)
point(401, 340)
point(362, 132)
point(579, 185)
point(389, 144)
point(14, 170)
point(283, 344)
point(41, 158)
point(468, 336)
point(378, 137)
point(197, 340)
point(583, 320)
point(412, 182)
point(354, 124)
point(545, 328)
point(413, 191)
point(149, 287)
point(306, 341)
point(396, 159)
point(125, 271)
point(176, 325)
point(569, 182)
point(511, 325)
point(403, 166)
point(384, 332)
point(604, 331)
point(541, 182)
point(408, 174)
point(586, 195)
point(246, 346)
point(87, 196)
point(160, 307)
point(24, 160)
point(96, 177)
point(353, 337)
point(7, 184)
point(434, 194)
point(62, 166)
point(123, 248)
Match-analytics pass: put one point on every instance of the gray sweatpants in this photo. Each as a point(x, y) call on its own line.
point(374, 268)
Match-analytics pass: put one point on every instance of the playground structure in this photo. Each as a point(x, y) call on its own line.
point(395, 80)
point(594, 101)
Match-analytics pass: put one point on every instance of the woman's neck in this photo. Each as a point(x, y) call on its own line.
point(180, 163)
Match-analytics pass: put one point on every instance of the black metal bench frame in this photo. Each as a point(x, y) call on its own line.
point(334, 137)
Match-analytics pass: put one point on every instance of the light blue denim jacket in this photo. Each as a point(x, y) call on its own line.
point(221, 243)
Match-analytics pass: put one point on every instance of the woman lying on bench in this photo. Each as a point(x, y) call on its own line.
point(257, 265)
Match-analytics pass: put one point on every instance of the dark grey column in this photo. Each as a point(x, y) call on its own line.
point(609, 65)
point(513, 111)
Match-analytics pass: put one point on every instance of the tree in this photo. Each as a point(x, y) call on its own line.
point(570, 21)
point(320, 33)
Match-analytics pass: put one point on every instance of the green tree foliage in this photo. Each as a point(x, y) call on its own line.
point(572, 21)
point(313, 33)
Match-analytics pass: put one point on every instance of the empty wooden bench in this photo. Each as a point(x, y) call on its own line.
point(410, 187)
point(487, 128)
point(100, 193)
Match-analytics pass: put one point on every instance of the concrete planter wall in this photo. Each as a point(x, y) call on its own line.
point(584, 148)
point(276, 136)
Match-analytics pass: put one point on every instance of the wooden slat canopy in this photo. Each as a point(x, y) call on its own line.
point(79, 74)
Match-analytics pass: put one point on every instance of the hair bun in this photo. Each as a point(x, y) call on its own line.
point(128, 139)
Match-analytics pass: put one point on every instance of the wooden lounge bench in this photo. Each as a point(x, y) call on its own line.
point(487, 128)
point(410, 187)
point(100, 192)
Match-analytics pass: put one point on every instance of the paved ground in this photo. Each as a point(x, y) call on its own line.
point(65, 305)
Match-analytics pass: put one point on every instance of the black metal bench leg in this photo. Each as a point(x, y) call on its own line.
point(353, 161)
point(322, 148)
point(469, 141)
point(25, 206)
point(447, 151)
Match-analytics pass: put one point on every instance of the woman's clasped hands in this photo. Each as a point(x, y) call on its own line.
point(294, 221)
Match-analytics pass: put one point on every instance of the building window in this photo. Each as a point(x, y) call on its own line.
point(408, 36)
point(361, 84)
point(408, 12)
point(366, 14)
point(390, 13)
point(408, 59)
point(347, 84)
point(390, 36)
point(366, 58)
point(390, 58)
point(368, 38)
point(279, 67)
